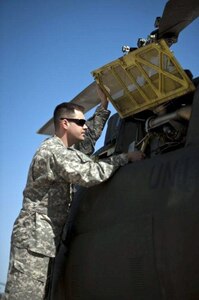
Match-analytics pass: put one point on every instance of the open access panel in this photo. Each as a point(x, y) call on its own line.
point(143, 79)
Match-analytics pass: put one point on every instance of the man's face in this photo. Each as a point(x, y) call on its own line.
point(75, 132)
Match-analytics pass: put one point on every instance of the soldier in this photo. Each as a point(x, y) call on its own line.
point(55, 166)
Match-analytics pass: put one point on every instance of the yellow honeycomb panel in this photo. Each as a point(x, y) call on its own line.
point(143, 79)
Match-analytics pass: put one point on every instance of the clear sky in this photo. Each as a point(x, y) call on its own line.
point(47, 50)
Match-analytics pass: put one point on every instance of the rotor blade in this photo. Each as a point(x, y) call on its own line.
point(176, 16)
point(88, 98)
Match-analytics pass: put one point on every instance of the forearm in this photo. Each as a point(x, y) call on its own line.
point(97, 122)
point(84, 171)
point(95, 127)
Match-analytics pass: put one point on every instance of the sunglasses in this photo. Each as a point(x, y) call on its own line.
point(79, 122)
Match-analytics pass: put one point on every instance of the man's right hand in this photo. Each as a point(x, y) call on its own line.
point(136, 155)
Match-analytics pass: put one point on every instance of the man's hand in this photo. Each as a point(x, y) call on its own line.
point(103, 98)
point(134, 156)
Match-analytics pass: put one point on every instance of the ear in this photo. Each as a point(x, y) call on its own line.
point(64, 124)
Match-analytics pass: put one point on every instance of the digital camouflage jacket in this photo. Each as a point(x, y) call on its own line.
point(48, 192)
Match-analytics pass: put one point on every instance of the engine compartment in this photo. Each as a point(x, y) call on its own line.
point(155, 131)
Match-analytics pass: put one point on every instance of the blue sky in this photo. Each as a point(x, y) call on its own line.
point(48, 49)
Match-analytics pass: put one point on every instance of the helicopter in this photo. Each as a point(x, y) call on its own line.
point(135, 236)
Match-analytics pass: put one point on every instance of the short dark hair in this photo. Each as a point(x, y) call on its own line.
point(65, 109)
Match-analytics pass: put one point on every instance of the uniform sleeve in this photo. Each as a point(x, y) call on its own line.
point(75, 167)
point(95, 127)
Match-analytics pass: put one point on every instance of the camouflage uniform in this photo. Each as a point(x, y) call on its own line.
point(95, 126)
point(47, 198)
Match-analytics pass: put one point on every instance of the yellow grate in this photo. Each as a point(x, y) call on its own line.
point(143, 79)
